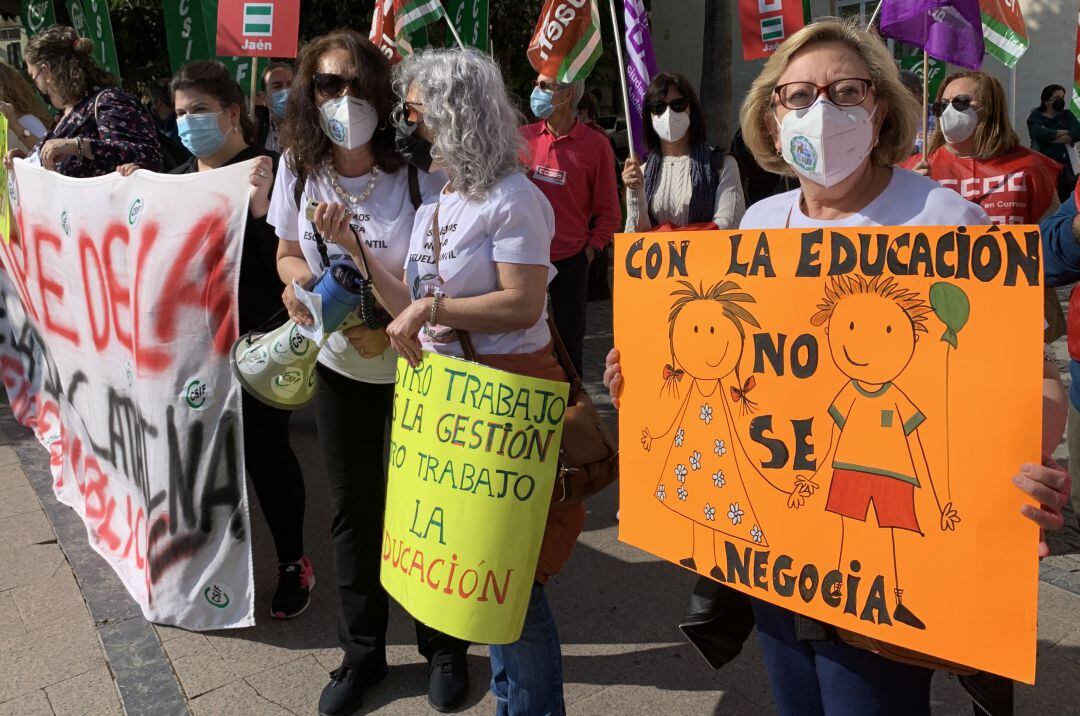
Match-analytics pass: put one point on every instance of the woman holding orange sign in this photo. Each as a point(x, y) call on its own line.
point(830, 109)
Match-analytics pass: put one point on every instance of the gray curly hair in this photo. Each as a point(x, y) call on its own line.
point(469, 113)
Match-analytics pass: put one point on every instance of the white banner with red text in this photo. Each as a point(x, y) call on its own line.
point(119, 300)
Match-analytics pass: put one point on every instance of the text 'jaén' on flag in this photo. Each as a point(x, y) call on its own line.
point(1004, 30)
point(566, 42)
point(765, 24)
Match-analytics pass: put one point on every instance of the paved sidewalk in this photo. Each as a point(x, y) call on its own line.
point(616, 608)
point(51, 661)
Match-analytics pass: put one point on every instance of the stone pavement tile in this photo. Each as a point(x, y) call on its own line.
point(947, 696)
point(200, 669)
point(19, 495)
point(622, 700)
point(27, 565)
point(1052, 630)
point(1058, 603)
point(45, 656)
point(294, 686)
point(36, 703)
point(165, 633)
point(8, 456)
point(24, 529)
point(10, 621)
point(236, 699)
point(1069, 646)
point(329, 659)
point(44, 601)
point(247, 656)
point(91, 693)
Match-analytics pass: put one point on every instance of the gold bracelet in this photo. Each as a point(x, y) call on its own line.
point(433, 314)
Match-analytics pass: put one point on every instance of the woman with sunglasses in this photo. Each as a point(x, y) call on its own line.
point(494, 228)
point(684, 180)
point(829, 108)
point(1052, 127)
point(975, 152)
point(339, 156)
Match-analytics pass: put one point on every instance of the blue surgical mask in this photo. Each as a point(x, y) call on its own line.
point(200, 133)
point(278, 100)
point(540, 103)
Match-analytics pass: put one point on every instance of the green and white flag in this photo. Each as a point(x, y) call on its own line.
point(258, 19)
point(412, 15)
point(1004, 30)
point(566, 42)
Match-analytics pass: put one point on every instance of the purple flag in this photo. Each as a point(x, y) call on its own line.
point(949, 30)
point(640, 65)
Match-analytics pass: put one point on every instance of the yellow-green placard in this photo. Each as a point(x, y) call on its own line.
point(473, 455)
point(5, 206)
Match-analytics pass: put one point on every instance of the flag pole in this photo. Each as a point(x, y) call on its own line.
point(254, 84)
point(1012, 94)
point(925, 101)
point(873, 17)
point(622, 78)
point(453, 30)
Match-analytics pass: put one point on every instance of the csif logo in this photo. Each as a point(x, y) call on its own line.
point(134, 212)
point(196, 394)
point(216, 596)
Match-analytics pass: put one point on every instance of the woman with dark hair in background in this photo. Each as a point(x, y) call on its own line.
point(101, 126)
point(339, 154)
point(1052, 127)
point(28, 119)
point(214, 126)
point(684, 180)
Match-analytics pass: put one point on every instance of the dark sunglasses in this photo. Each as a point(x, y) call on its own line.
point(331, 85)
point(552, 87)
point(960, 103)
point(677, 105)
point(404, 109)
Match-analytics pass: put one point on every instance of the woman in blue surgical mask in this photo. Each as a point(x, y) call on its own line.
point(214, 126)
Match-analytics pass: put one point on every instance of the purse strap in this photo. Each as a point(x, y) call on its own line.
point(467, 347)
point(563, 356)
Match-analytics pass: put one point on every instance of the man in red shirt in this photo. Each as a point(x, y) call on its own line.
point(575, 168)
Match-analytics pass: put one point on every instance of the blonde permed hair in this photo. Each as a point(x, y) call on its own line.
point(897, 135)
point(883, 286)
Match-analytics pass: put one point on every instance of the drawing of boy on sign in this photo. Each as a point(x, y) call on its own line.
point(701, 479)
point(872, 327)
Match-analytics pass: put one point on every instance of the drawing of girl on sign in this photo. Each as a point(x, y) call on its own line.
point(701, 479)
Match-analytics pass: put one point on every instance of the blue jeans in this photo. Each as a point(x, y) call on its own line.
point(811, 678)
point(526, 676)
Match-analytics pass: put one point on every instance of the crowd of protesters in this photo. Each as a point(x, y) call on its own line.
point(435, 151)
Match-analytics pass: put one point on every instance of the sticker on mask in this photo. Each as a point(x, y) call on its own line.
point(551, 176)
point(336, 130)
point(803, 153)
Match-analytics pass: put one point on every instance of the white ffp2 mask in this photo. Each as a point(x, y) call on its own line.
point(671, 126)
point(826, 143)
point(958, 126)
point(349, 122)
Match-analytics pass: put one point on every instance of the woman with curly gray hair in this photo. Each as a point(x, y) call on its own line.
point(477, 273)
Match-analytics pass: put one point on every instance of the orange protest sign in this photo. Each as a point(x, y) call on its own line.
point(830, 420)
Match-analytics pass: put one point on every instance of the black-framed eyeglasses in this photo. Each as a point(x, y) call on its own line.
point(846, 92)
point(552, 87)
point(960, 103)
point(332, 85)
point(680, 104)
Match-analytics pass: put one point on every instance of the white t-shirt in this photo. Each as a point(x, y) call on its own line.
point(910, 199)
point(384, 221)
point(514, 224)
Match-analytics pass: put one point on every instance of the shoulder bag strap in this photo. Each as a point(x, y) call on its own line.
point(463, 336)
point(564, 358)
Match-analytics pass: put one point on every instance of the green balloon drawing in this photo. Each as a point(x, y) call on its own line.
point(952, 307)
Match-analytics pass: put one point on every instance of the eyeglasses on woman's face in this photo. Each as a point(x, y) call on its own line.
point(679, 104)
point(846, 92)
point(329, 84)
point(961, 103)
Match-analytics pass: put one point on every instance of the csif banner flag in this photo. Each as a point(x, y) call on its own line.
point(120, 309)
point(37, 15)
point(90, 18)
point(470, 17)
point(566, 42)
point(767, 23)
point(1004, 30)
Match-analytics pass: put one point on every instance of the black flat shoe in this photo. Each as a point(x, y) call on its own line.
point(345, 692)
point(448, 682)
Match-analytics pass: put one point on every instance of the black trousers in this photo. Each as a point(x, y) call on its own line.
point(351, 417)
point(1065, 184)
point(275, 474)
point(569, 291)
